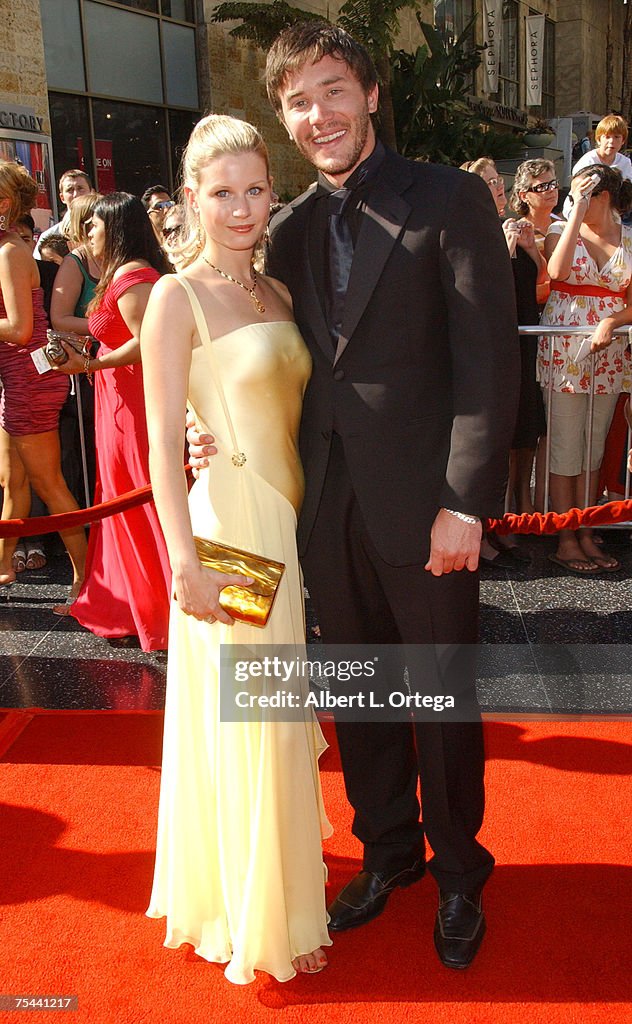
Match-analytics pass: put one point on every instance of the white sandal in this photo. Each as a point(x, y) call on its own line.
point(64, 609)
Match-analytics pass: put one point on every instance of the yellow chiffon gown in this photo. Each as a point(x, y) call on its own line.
point(239, 871)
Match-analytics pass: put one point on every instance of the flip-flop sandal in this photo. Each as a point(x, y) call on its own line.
point(592, 569)
point(601, 561)
point(35, 558)
point(18, 560)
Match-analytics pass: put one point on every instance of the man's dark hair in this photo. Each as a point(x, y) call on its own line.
point(153, 190)
point(56, 243)
point(307, 42)
point(612, 182)
point(128, 236)
point(74, 173)
point(28, 222)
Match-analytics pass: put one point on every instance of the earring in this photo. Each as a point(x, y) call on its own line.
point(200, 236)
point(3, 222)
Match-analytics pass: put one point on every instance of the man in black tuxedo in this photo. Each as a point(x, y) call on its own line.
point(411, 324)
point(402, 288)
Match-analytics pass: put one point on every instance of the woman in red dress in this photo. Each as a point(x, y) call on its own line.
point(30, 402)
point(126, 589)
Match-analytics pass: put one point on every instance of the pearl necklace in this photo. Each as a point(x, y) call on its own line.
point(251, 291)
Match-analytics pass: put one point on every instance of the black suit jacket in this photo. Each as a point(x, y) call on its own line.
point(423, 386)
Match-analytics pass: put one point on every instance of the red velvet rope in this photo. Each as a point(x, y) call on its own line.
point(551, 522)
point(36, 525)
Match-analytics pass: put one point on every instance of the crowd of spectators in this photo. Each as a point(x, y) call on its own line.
point(571, 269)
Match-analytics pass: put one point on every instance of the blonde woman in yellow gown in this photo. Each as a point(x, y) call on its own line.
point(239, 871)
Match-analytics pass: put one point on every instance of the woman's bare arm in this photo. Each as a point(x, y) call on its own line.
point(66, 292)
point(16, 285)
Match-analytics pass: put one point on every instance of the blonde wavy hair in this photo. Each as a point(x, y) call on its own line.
point(214, 136)
point(16, 185)
point(478, 166)
point(81, 210)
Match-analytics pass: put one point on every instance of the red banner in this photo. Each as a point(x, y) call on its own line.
point(106, 178)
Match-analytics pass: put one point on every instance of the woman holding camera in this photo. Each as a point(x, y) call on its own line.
point(31, 402)
point(126, 590)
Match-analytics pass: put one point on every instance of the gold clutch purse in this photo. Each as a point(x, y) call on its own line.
point(251, 604)
point(56, 353)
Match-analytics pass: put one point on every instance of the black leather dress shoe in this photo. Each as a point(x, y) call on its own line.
point(365, 895)
point(459, 928)
point(503, 560)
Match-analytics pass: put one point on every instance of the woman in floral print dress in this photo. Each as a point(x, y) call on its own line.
point(590, 265)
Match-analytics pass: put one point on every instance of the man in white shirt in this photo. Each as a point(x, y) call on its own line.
point(72, 183)
point(611, 135)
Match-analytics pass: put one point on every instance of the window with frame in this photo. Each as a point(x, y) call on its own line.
point(451, 16)
point(124, 88)
point(509, 66)
point(548, 71)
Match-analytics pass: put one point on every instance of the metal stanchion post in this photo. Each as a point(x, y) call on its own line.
point(549, 408)
point(82, 439)
point(629, 445)
point(589, 437)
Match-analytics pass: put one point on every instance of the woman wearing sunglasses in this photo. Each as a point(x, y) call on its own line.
point(534, 196)
point(486, 169)
point(590, 265)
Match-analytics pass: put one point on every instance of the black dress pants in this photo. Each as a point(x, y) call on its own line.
point(360, 599)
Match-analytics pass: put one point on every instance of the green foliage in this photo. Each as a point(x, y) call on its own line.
point(432, 117)
point(540, 126)
point(497, 145)
point(374, 23)
point(261, 23)
point(429, 88)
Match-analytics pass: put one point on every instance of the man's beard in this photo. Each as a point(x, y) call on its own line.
point(345, 161)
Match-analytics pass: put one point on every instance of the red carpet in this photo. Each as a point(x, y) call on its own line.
point(76, 841)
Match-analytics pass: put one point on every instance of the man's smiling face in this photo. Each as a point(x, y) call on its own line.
point(327, 113)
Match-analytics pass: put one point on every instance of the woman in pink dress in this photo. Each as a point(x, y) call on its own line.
point(30, 402)
point(126, 589)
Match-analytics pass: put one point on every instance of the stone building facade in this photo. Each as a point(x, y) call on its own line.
point(589, 55)
point(22, 63)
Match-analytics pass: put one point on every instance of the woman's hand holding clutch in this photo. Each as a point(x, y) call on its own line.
point(197, 590)
point(74, 364)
